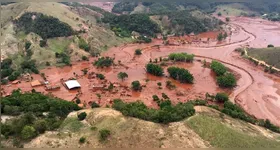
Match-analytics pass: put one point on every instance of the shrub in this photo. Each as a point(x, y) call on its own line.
point(40, 126)
point(100, 76)
point(159, 83)
point(82, 140)
point(4, 81)
point(78, 101)
point(221, 97)
point(138, 52)
point(136, 86)
point(227, 81)
point(155, 98)
point(154, 69)
point(43, 43)
point(180, 74)
point(104, 134)
point(164, 96)
point(220, 37)
point(83, 45)
point(218, 68)
point(82, 116)
point(27, 45)
point(84, 58)
point(28, 132)
point(94, 105)
point(270, 45)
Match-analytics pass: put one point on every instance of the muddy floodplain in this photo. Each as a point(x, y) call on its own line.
point(256, 92)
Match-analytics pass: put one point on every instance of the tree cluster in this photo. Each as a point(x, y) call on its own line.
point(181, 74)
point(45, 26)
point(104, 62)
point(183, 57)
point(227, 80)
point(218, 68)
point(165, 114)
point(154, 69)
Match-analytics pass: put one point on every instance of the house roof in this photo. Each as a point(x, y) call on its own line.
point(71, 84)
point(36, 83)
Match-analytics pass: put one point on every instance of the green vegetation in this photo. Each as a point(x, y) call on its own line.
point(138, 52)
point(123, 25)
point(28, 109)
point(124, 6)
point(100, 76)
point(104, 62)
point(94, 105)
point(154, 69)
point(122, 75)
point(165, 114)
point(220, 135)
point(82, 140)
point(83, 44)
point(45, 26)
point(64, 58)
point(218, 68)
point(181, 74)
point(136, 86)
point(82, 116)
point(184, 57)
point(221, 97)
point(227, 80)
point(269, 55)
point(104, 134)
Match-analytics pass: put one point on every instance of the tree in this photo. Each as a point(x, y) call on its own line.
point(138, 52)
point(220, 37)
point(136, 86)
point(270, 45)
point(28, 132)
point(82, 115)
point(227, 81)
point(122, 75)
point(221, 97)
point(82, 140)
point(180, 74)
point(154, 69)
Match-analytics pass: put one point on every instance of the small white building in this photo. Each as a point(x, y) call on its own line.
point(72, 84)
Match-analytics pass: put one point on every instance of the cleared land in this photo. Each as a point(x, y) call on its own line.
point(269, 55)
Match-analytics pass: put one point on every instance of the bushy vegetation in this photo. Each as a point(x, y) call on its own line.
point(104, 62)
point(221, 97)
point(165, 114)
point(138, 52)
point(154, 69)
point(124, 6)
point(94, 105)
point(83, 44)
point(104, 134)
point(184, 57)
point(82, 140)
point(122, 75)
point(64, 58)
point(123, 25)
point(29, 109)
point(136, 86)
point(181, 74)
point(218, 68)
point(100, 76)
point(227, 80)
point(45, 26)
point(82, 116)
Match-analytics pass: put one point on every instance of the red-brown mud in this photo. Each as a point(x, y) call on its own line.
point(256, 91)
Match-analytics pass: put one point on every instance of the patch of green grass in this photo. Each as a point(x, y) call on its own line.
point(222, 136)
point(71, 124)
point(270, 55)
point(58, 45)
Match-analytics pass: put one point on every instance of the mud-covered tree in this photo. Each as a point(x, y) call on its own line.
point(218, 68)
point(104, 62)
point(154, 69)
point(181, 74)
point(122, 75)
point(136, 86)
point(227, 81)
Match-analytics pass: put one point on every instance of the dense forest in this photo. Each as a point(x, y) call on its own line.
point(45, 26)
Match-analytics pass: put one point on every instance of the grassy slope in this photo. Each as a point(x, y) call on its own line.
point(269, 55)
point(234, 9)
point(205, 128)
